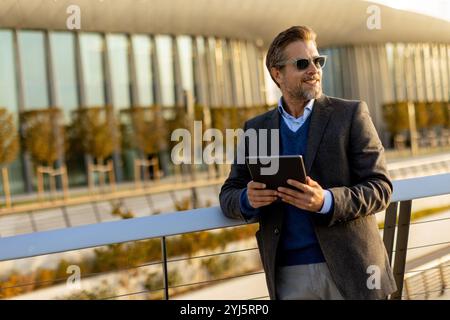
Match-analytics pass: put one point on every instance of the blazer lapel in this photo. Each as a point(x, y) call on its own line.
point(272, 121)
point(319, 120)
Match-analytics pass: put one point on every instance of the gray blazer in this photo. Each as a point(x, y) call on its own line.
point(344, 155)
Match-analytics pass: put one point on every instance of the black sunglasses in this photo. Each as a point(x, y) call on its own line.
point(303, 64)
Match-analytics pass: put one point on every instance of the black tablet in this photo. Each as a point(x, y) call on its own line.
point(274, 171)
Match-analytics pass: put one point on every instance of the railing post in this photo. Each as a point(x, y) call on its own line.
point(407, 289)
point(442, 276)
point(412, 128)
point(149, 202)
point(66, 216)
point(97, 214)
point(165, 275)
point(425, 285)
point(32, 221)
point(390, 219)
point(401, 247)
point(194, 198)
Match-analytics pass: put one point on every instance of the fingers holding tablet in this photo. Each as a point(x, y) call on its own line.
point(259, 196)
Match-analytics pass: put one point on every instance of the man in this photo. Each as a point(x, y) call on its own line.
point(322, 240)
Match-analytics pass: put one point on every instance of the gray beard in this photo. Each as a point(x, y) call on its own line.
point(301, 94)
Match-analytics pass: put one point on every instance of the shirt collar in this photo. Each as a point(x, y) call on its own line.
point(283, 112)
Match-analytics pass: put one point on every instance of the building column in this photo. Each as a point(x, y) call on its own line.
point(117, 159)
point(157, 94)
point(54, 103)
point(81, 93)
point(27, 169)
point(178, 85)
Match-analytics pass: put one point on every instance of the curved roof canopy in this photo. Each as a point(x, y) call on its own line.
point(335, 21)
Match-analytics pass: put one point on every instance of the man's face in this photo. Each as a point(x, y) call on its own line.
point(299, 84)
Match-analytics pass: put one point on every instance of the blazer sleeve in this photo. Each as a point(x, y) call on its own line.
point(234, 185)
point(372, 187)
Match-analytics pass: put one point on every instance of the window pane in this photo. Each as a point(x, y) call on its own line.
point(237, 73)
point(144, 77)
point(8, 100)
point(91, 56)
point(8, 94)
point(245, 71)
point(212, 71)
point(201, 93)
point(118, 64)
point(165, 61)
point(34, 71)
point(390, 62)
point(185, 53)
point(272, 91)
point(63, 59)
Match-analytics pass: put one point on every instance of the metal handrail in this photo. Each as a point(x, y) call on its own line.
point(169, 224)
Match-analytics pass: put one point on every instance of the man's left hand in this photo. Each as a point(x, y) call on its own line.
point(309, 196)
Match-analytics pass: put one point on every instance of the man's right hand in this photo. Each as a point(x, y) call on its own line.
point(259, 196)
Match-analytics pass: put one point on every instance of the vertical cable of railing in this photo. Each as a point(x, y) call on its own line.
point(401, 247)
point(164, 265)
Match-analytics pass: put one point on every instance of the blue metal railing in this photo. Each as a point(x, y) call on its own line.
point(169, 224)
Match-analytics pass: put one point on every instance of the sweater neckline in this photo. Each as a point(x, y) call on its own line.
point(289, 131)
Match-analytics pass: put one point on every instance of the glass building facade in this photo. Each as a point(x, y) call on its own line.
point(388, 73)
point(44, 69)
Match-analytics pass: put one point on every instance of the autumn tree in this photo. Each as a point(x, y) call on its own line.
point(9, 147)
point(43, 135)
point(143, 130)
point(94, 131)
point(9, 138)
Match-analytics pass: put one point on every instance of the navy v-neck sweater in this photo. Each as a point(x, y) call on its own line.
point(298, 242)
